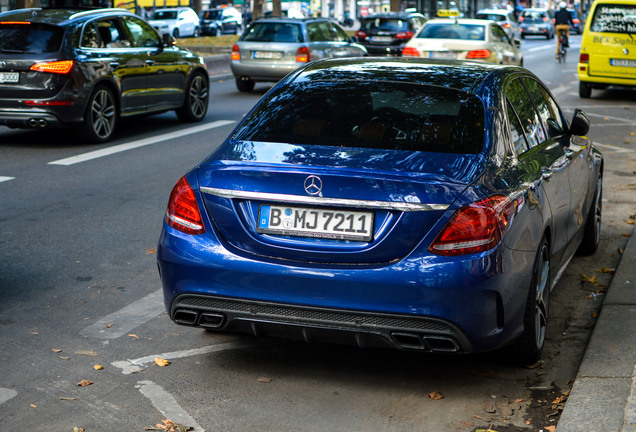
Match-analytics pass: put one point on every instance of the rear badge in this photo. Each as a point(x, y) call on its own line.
point(313, 185)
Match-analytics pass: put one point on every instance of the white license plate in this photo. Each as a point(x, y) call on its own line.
point(9, 77)
point(317, 223)
point(533, 29)
point(446, 55)
point(268, 55)
point(382, 39)
point(623, 62)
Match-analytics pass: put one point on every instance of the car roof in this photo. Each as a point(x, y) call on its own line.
point(494, 11)
point(393, 15)
point(287, 19)
point(453, 21)
point(60, 16)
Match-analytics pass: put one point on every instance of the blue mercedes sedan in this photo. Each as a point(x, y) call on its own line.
point(408, 203)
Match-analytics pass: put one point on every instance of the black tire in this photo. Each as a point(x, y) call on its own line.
point(592, 230)
point(528, 348)
point(175, 33)
point(100, 118)
point(585, 90)
point(217, 31)
point(196, 33)
point(244, 84)
point(197, 98)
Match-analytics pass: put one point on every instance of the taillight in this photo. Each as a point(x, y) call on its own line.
point(302, 55)
point(478, 54)
point(476, 227)
point(58, 67)
point(15, 22)
point(48, 103)
point(236, 54)
point(404, 35)
point(183, 211)
point(522, 18)
point(575, 21)
point(506, 25)
point(584, 58)
point(410, 51)
point(360, 34)
point(545, 19)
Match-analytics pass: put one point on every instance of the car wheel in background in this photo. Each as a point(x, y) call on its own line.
point(528, 348)
point(585, 90)
point(175, 33)
point(196, 32)
point(244, 84)
point(100, 117)
point(195, 104)
point(592, 230)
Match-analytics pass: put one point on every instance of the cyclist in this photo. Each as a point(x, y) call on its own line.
point(562, 20)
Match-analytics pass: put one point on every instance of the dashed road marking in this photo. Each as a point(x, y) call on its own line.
point(168, 405)
point(6, 394)
point(139, 143)
point(4, 179)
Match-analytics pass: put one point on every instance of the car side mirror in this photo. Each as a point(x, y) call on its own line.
point(516, 42)
point(580, 123)
point(168, 40)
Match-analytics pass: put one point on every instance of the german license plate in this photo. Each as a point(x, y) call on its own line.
point(623, 62)
point(317, 223)
point(446, 55)
point(9, 77)
point(275, 55)
point(381, 39)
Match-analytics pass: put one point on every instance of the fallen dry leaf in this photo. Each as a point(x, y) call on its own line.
point(68, 398)
point(590, 279)
point(631, 222)
point(518, 400)
point(89, 353)
point(169, 426)
point(133, 336)
point(56, 350)
point(33, 406)
point(594, 315)
point(606, 270)
point(78, 429)
point(436, 395)
point(161, 362)
point(624, 235)
point(98, 367)
point(84, 383)
point(550, 428)
point(35, 332)
point(108, 326)
point(264, 380)
point(151, 250)
point(64, 358)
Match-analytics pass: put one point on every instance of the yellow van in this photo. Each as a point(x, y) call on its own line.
point(608, 46)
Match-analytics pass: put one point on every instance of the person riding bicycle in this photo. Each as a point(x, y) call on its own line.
point(562, 20)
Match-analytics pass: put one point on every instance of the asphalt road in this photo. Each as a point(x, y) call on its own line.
point(79, 288)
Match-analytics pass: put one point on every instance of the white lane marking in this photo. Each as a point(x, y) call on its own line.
point(139, 143)
point(168, 405)
point(4, 179)
point(628, 121)
point(614, 148)
point(6, 394)
point(121, 322)
point(136, 365)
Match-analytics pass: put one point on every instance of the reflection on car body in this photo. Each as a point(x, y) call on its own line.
point(377, 202)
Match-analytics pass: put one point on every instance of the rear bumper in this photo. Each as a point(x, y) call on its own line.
point(29, 119)
point(380, 50)
point(602, 80)
point(263, 71)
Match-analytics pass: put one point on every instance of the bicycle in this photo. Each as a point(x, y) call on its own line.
point(563, 46)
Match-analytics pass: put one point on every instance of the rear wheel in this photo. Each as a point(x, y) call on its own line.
point(592, 230)
point(195, 104)
point(175, 33)
point(585, 90)
point(244, 84)
point(528, 348)
point(100, 117)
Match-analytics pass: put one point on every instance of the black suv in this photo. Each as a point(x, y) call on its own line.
point(387, 33)
point(87, 68)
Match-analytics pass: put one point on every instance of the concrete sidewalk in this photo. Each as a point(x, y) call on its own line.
point(603, 397)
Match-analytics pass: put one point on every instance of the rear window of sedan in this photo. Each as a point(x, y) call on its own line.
point(273, 32)
point(534, 16)
point(30, 38)
point(376, 115)
point(614, 18)
point(386, 24)
point(453, 31)
point(491, 16)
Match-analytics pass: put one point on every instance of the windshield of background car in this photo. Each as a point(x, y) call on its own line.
point(453, 31)
point(164, 15)
point(534, 16)
point(614, 18)
point(385, 24)
point(212, 15)
point(273, 32)
point(376, 115)
point(31, 38)
point(493, 17)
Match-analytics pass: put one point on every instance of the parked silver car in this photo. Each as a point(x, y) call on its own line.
point(270, 48)
point(537, 22)
point(505, 18)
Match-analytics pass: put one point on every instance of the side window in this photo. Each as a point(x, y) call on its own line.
point(90, 39)
point(341, 35)
point(528, 116)
point(316, 32)
point(548, 108)
point(111, 36)
point(498, 34)
point(516, 131)
point(143, 34)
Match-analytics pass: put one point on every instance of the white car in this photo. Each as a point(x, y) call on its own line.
point(464, 39)
point(505, 18)
point(178, 22)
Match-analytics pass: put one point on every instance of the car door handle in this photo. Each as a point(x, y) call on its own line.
point(546, 174)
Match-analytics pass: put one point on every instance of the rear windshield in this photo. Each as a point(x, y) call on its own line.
point(273, 32)
point(453, 31)
point(386, 24)
point(614, 18)
point(31, 38)
point(488, 16)
point(376, 115)
point(534, 16)
point(212, 15)
point(164, 15)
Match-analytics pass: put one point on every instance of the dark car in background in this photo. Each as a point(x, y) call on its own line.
point(537, 22)
point(86, 69)
point(406, 203)
point(387, 33)
point(223, 20)
point(576, 26)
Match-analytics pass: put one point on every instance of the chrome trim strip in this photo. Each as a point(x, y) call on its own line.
point(315, 200)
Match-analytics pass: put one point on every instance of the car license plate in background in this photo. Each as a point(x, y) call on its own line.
point(446, 55)
point(275, 55)
point(313, 222)
point(9, 77)
point(623, 62)
point(381, 39)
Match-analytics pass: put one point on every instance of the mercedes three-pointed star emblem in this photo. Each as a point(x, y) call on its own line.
point(313, 185)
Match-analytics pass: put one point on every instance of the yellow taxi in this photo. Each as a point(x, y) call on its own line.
point(608, 46)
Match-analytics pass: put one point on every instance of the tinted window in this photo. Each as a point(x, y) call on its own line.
point(494, 17)
point(498, 34)
point(111, 35)
point(273, 32)
point(453, 31)
point(516, 130)
point(211, 15)
point(530, 121)
point(534, 17)
point(548, 109)
point(386, 24)
point(30, 38)
point(614, 18)
point(394, 116)
point(164, 15)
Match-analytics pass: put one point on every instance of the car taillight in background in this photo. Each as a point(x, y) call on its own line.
point(521, 19)
point(410, 52)
point(236, 54)
point(183, 211)
point(361, 35)
point(58, 67)
point(302, 55)
point(478, 54)
point(404, 35)
point(576, 21)
point(506, 25)
point(584, 58)
point(476, 227)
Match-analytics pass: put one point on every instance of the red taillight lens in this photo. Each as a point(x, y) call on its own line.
point(58, 67)
point(522, 18)
point(236, 54)
point(360, 34)
point(474, 228)
point(302, 55)
point(183, 211)
point(14, 22)
point(404, 35)
point(478, 54)
point(545, 19)
point(410, 52)
point(48, 103)
point(584, 58)
point(575, 21)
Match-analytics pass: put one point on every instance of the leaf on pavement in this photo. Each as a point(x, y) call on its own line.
point(151, 250)
point(549, 428)
point(606, 270)
point(133, 336)
point(68, 398)
point(56, 350)
point(33, 406)
point(98, 367)
point(169, 426)
point(436, 395)
point(624, 235)
point(264, 380)
point(78, 429)
point(84, 383)
point(161, 362)
point(89, 353)
point(590, 279)
point(631, 222)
